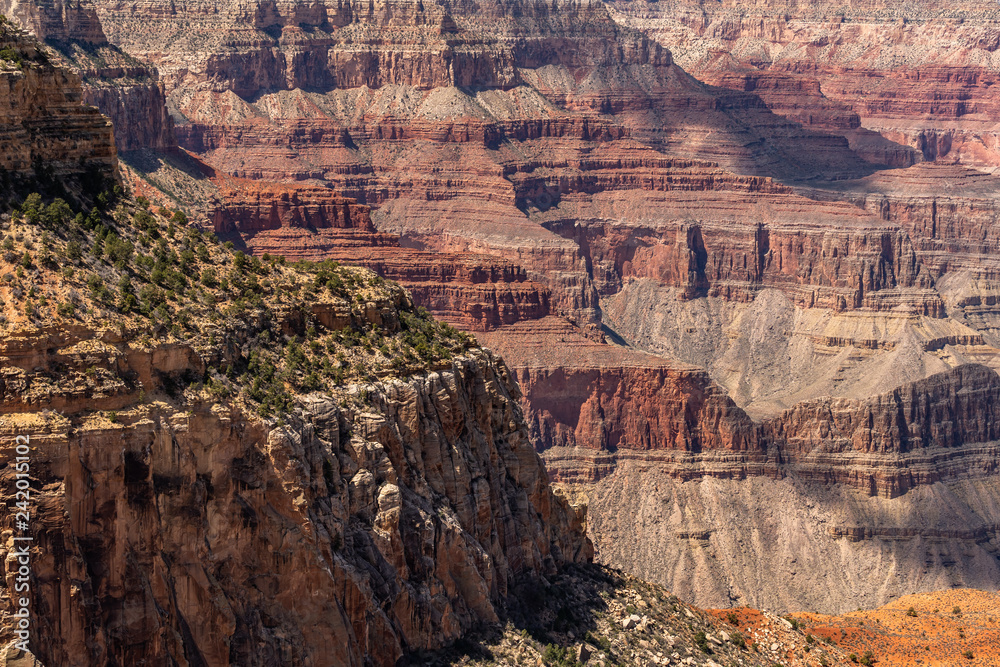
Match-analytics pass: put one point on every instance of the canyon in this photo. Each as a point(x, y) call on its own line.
point(668, 261)
point(739, 260)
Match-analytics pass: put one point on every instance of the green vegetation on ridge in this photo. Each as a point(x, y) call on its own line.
point(265, 329)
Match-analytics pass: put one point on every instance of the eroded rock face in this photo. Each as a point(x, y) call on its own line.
point(903, 82)
point(536, 173)
point(846, 503)
point(42, 120)
point(790, 544)
point(57, 21)
point(190, 533)
point(122, 88)
point(248, 207)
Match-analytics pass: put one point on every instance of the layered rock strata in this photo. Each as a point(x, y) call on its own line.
point(903, 483)
point(44, 127)
point(205, 536)
point(597, 183)
point(124, 89)
point(919, 76)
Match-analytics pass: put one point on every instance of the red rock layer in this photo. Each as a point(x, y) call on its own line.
point(819, 255)
point(918, 434)
point(122, 88)
point(247, 207)
point(581, 393)
point(949, 212)
point(589, 405)
point(475, 292)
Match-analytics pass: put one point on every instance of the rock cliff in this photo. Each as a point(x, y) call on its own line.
point(346, 536)
point(124, 89)
point(670, 263)
point(903, 82)
point(46, 130)
point(853, 501)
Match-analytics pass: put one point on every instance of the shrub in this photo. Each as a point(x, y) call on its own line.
point(117, 250)
point(57, 214)
point(13, 55)
point(557, 656)
point(208, 278)
point(911, 612)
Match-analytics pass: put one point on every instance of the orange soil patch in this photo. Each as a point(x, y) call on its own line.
point(931, 634)
point(778, 642)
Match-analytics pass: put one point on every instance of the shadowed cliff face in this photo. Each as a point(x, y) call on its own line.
point(43, 125)
point(847, 503)
point(175, 521)
point(124, 89)
point(191, 532)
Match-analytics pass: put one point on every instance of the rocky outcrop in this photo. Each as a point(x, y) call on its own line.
point(213, 537)
point(44, 127)
point(59, 21)
point(122, 88)
point(134, 101)
point(174, 520)
point(580, 393)
point(592, 406)
point(248, 207)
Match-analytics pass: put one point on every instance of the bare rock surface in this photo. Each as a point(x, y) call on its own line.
point(904, 82)
point(831, 547)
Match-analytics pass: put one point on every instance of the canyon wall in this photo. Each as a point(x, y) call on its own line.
point(44, 124)
point(854, 502)
point(673, 222)
point(191, 533)
point(124, 89)
point(176, 520)
point(903, 82)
